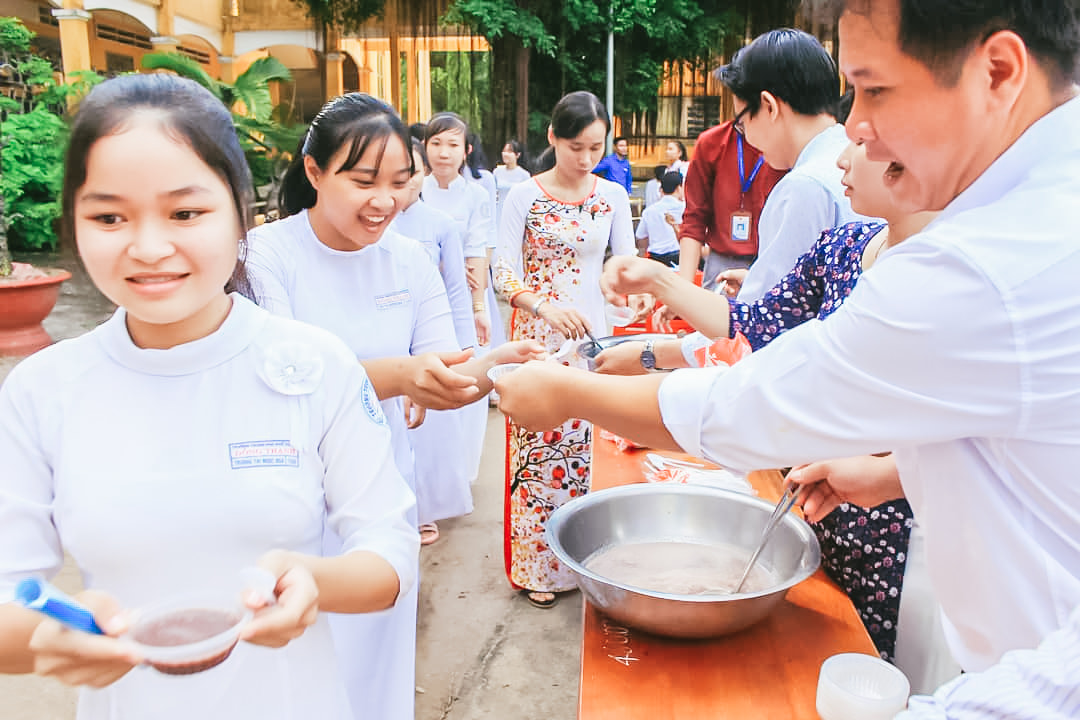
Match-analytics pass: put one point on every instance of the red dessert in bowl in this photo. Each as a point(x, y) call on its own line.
point(190, 635)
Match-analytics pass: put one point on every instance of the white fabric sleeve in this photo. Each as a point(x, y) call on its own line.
point(452, 269)
point(690, 344)
point(891, 368)
point(799, 212)
point(1037, 684)
point(622, 222)
point(30, 541)
point(508, 264)
point(269, 273)
point(642, 232)
point(368, 502)
point(433, 325)
point(479, 229)
point(487, 181)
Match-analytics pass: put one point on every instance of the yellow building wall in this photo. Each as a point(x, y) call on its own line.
point(270, 15)
point(206, 12)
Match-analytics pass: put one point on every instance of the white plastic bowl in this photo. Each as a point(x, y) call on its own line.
point(497, 371)
point(189, 634)
point(618, 316)
point(852, 686)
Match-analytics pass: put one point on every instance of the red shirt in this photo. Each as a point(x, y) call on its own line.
point(713, 190)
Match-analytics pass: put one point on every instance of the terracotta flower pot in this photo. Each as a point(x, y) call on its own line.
point(23, 305)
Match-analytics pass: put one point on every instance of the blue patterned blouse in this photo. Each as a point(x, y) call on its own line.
point(815, 287)
point(864, 550)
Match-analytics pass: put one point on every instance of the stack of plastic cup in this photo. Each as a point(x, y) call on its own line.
point(853, 686)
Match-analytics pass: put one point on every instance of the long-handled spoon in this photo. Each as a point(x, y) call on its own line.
point(787, 499)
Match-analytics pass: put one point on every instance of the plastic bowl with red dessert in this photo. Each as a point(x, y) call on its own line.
point(189, 635)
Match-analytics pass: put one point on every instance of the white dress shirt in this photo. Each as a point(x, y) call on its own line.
point(960, 351)
point(654, 226)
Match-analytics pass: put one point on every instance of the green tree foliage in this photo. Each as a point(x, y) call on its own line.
point(268, 140)
point(33, 140)
point(569, 40)
point(343, 15)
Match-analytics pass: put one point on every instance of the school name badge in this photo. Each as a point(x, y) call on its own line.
point(263, 453)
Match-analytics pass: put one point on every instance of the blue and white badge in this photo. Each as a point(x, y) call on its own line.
point(394, 299)
point(263, 453)
point(370, 400)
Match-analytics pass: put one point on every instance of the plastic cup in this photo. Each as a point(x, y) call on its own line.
point(618, 316)
point(497, 371)
point(191, 634)
point(852, 686)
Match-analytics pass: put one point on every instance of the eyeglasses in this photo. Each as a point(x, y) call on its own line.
point(737, 122)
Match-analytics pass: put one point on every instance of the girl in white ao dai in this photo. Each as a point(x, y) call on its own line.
point(171, 447)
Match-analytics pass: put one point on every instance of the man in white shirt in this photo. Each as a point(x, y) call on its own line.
point(659, 220)
point(959, 350)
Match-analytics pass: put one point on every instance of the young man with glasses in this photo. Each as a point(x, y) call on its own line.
point(786, 92)
point(959, 350)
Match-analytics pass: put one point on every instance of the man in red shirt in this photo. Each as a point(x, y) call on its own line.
point(724, 197)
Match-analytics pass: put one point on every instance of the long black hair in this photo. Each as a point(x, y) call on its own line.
point(356, 119)
point(187, 111)
point(577, 111)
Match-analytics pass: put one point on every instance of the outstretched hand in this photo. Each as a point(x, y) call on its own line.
point(629, 275)
point(532, 396)
point(435, 383)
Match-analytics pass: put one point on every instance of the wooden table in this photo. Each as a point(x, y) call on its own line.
point(766, 671)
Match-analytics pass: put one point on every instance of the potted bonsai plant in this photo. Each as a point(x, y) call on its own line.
point(33, 138)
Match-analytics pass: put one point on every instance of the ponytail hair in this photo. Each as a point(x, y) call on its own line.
point(355, 119)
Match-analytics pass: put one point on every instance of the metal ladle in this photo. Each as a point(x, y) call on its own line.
point(787, 499)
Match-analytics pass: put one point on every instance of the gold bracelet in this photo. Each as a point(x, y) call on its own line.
point(478, 307)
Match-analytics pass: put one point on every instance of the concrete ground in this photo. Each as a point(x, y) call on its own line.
point(482, 650)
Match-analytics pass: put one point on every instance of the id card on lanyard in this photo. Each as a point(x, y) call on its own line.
point(742, 220)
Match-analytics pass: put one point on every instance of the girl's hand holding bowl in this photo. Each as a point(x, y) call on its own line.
point(79, 658)
point(296, 607)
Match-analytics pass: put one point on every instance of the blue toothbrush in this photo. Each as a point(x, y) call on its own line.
point(39, 595)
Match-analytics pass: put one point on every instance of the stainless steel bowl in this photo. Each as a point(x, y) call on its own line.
point(680, 513)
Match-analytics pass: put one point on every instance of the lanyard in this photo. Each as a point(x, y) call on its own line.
point(747, 181)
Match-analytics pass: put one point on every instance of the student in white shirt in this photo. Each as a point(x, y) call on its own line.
point(443, 480)
point(473, 210)
point(677, 159)
point(334, 262)
point(659, 220)
point(958, 350)
point(190, 435)
point(785, 90)
point(509, 174)
point(652, 187)
point(467, 202)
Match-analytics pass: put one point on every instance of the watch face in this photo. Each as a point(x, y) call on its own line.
point(648, 359)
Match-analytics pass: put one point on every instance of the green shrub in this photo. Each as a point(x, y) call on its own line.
point(33, 174)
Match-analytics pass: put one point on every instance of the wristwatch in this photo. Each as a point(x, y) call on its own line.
point(648, 357)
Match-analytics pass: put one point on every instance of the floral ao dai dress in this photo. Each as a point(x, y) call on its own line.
point(555, 249)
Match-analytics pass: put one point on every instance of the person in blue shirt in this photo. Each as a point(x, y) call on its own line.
point(616, 166)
